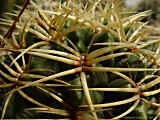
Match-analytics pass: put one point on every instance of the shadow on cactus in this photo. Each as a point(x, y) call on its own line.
point(81, 61)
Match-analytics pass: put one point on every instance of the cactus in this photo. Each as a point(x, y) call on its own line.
point(79, 60)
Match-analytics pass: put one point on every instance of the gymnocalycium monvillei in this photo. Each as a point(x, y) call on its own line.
point(79, 60)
